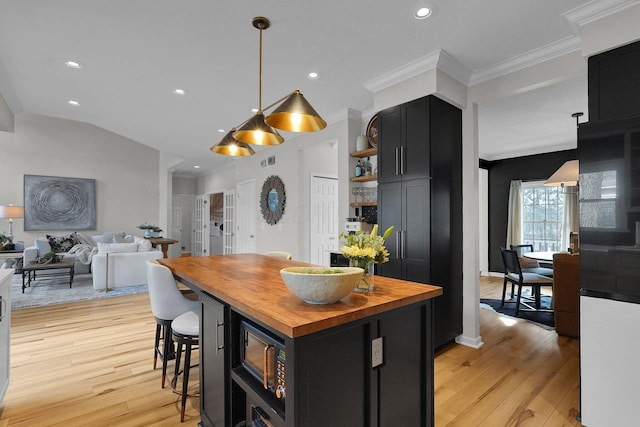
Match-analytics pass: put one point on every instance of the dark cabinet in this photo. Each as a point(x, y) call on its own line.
point(404, 142)
point(213, 372)
point(406, 208)
point(420, 194)
point(614, 87)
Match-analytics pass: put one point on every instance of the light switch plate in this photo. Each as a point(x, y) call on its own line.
point(376, 352)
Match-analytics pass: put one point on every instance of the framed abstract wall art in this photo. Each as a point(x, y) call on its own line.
point(59, 203)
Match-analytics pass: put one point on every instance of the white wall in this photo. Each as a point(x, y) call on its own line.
point(299, 156)
point(126, 172)
point(483, 221)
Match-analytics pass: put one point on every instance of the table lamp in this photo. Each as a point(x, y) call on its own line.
point(11, 212)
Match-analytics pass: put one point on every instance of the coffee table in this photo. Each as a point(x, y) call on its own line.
point(29, 271)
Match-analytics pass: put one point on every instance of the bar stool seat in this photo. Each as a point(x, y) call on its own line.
point(167, 303)
point(185, 330)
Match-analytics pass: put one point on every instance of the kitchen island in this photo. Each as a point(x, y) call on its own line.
point(338, 370)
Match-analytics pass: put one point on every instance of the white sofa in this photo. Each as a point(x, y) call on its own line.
point(125, 268)
point(127, 257)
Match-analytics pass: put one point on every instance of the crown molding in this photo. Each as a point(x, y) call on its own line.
point(533, 57)
point(597, 9)
point(405, 72)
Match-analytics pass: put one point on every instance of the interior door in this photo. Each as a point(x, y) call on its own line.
point(200, 225)
point(325, 225)
point(228, 222)
point(246, 202)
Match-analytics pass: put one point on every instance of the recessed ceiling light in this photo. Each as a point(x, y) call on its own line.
point(255, 110)
point(196, 167)
point(73, 64)
point(179, 91)
point(73, 102)
point(221, 130)
point(313, 76)
point(426, 11)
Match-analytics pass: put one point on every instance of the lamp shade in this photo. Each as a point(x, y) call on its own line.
point(229, 146)
point(257, 132)
point(295, 114)
point(11, 211)
point(566, 175)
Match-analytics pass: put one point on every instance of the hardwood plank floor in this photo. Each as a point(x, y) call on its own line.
point(90, 363)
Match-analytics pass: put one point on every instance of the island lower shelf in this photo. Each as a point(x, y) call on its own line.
point(329, 350)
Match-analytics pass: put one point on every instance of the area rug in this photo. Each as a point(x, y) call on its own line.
point(55, 290)
point(543, 319)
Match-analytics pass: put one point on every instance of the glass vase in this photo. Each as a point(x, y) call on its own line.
point(365, 284)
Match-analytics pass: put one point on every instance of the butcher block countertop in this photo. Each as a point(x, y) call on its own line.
point(251, 284)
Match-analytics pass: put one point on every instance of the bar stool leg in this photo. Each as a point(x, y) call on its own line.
point(167, 346)
point(185, 378)
point(156, 344)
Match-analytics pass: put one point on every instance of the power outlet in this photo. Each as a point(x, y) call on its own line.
point(376, 352)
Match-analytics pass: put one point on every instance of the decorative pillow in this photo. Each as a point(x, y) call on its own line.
point(43, 246)
point(85, 239)
point(110, 236)
point(112, 248)
point(528, 262)
point(62, 243)
point(144, 245)
point(122, 239)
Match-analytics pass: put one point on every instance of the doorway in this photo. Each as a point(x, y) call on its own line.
point(246, 216)
point(325, 226)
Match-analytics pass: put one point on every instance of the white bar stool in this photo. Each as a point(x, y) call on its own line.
point(186, 330)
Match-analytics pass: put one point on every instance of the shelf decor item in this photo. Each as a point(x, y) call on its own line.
point(150, 230)
point(364, 250)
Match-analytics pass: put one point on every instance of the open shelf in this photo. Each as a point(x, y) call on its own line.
point(365, 153)
point(365, 178)
point(355, 205)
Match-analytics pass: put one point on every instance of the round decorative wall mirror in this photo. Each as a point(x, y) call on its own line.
point(272, 199)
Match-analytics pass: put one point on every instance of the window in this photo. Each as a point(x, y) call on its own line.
point(542, 216)
point(601, 196)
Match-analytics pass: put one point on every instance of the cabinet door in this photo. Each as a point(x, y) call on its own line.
point(414, 156)
point(416, 230)
point(212, 369)
point(389, 141)
point(390, 214)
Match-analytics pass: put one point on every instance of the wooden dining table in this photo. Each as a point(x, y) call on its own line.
point(546, 256)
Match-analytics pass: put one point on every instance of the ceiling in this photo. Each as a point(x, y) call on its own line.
point(136, 52)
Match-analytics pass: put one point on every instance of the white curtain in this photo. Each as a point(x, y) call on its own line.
point(571, 218)
point(514, 222)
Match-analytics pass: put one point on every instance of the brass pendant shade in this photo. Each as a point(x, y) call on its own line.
point(295, 114)
point(257, 132)
point(229, 146)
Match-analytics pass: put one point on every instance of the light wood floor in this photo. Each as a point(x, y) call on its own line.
point(90, 363)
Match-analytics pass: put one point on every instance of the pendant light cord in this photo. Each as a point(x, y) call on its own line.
point(260, 73)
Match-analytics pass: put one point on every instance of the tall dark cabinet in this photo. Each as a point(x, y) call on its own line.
point(420, 194)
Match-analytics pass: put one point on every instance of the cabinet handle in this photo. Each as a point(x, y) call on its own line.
point(401, 160)
point(396, 151)
point(218, 346)
point(3, 308)
point(397, 243)
point(404, 234)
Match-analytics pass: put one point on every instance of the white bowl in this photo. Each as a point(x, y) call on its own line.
point(321, 285)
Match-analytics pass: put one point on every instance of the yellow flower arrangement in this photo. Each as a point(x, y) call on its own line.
point(365, 248)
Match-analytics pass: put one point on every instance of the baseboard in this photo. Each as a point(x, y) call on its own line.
point(491, 274)
point(473, 342)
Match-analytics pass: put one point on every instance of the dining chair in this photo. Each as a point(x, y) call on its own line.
point(167, 303)
point(530, 265)
point(513, 274)
point(279, 254)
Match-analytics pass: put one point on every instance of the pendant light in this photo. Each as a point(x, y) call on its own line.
point(294, 114)
point(229, 146)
